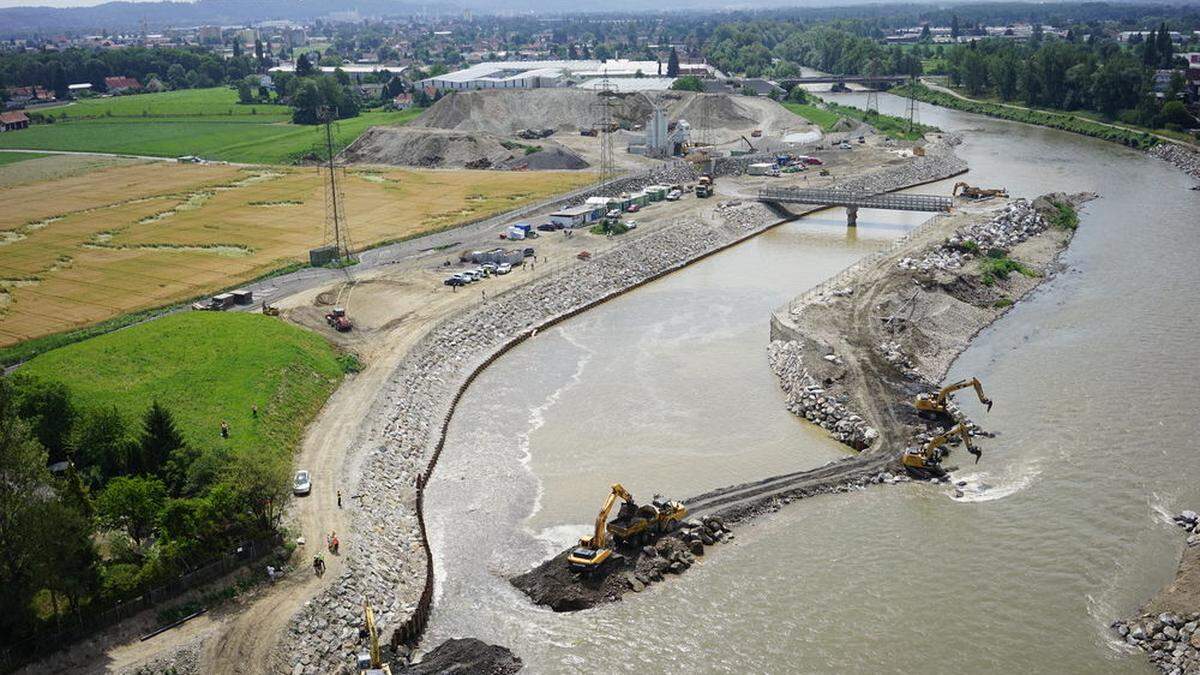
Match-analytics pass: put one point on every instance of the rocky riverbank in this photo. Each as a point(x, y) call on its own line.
point(1168, 629)
point(1183, 158)
point(852, 353)
point(385, 560)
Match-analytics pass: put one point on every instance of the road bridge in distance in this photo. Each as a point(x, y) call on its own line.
point(853, 200)
point(876, 82)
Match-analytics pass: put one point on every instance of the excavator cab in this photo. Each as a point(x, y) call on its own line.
point(926, 461)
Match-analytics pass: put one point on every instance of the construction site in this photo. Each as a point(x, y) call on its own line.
point(486, 486)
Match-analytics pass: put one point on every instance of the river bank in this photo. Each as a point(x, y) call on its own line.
point(408, 424)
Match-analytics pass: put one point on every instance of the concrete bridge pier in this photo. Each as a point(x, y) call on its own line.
point(851, 216)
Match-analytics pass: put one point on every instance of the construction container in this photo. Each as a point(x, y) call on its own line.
point(322, 255)
point(222, 301)
point(640, 198)
point(762, 169)
point(515, 232)
point(657, 192)
point(242, 296)
point(575, 216)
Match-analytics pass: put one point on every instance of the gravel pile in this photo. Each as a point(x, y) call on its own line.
point(806, 397)
point(1172, 641)
point(1014, 224)
point(1186, 160)
point(390, 569)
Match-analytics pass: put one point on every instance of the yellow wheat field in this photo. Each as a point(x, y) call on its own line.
point(82, 249)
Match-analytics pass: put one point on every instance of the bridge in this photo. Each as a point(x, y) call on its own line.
point(854, 200)
point(877, 81)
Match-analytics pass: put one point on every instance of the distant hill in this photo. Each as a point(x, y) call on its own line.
point(123, 16)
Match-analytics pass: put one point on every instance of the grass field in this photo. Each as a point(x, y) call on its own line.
point(88, 248)
point(818, 116)
point(14, 157)
point(208, 123)
point(205, 367)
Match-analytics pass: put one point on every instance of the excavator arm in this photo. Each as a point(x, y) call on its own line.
point(600, 536)
point(963, 384)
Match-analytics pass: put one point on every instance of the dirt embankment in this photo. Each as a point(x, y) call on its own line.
point(1168, 628)
point(466, 656)
point(444, 148)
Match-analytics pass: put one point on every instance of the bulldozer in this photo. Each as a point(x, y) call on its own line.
point(926, 461)
point(933, 406)
point(270, 310)
point(633, 525)
point(972, 192)
point(372, 663)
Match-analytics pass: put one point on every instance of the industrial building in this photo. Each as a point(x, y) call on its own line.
point(538, 74)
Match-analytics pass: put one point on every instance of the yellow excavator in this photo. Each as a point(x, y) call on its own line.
point(634, 524)
point(934, 405)
point(372, 663)
point(972, 192)
point(926, 461)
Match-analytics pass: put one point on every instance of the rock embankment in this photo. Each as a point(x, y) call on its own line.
point(1186, 160)
point(554, 585)
point(1168, 629)
point(1014, 224)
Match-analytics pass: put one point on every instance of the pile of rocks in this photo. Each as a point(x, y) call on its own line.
point(675, 554)
point(1186, 160)
point(1171, 640)
point(893, 353)
point(1015, 223)
point(805, 397)
point(745, 215)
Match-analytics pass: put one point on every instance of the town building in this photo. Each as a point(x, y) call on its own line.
point(13, 121)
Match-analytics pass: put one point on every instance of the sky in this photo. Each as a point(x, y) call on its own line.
point(58, 3)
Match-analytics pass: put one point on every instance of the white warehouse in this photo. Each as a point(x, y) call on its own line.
point(537, 74)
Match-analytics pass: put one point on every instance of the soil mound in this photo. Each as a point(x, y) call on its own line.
point(466, 656)
point(427, 148)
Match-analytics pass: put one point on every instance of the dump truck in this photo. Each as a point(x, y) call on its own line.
point(704, 188)
point(634, 526)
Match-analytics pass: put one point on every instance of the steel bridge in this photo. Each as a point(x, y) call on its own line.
point(854, 200)
point(877, 81)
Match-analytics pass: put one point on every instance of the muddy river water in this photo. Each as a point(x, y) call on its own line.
point(667, 389)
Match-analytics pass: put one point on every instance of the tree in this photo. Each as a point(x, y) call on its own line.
point(132, 504)
point(47, 407)
point(25, 496)
point(1175, 112)
point(798, 95)
point(177, 76)
point(245, 89)
point(237, 48)
point(688, 83)
point(926, 36)
point(258, 51)
point(103, 448)
point(160, 439)
point(673, 64)
point(261, 485)
point(954, 28)
point(304, 67)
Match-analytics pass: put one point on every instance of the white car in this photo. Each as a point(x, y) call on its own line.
point(673, 195)
point(302, 484)
point(631, 224)
point(503, 268)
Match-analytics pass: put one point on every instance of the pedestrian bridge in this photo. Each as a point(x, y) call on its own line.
point(855, 200)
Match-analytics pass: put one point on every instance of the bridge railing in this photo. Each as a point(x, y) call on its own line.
point(834, 197)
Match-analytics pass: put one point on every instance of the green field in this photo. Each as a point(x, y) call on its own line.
point(205, 367)
point(14, 157)
point(191, 122)
point(818, 116)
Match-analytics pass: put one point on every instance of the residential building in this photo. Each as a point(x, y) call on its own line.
point(13, 121)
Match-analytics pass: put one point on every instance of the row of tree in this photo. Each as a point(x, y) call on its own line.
point(126, 508)
point(779, 49)
point(1101, 76)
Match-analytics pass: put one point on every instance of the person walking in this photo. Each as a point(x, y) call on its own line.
point(224, 429)
point(339, 495)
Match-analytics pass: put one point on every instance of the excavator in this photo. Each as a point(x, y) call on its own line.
point(926, 461)
point(933, 406)
point(971, 192)
point(633, 524)
point(372, 663)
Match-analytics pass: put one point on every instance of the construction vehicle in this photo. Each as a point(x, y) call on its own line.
point(270, 310)
point(372, 663)
point(704, 188)
point(749, 144)
point(972, 192)
point(757, 133)
point(933, 406)
point(926, 461)
point(634, 525)
point(338, 320)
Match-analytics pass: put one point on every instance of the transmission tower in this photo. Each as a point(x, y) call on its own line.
point(704, 124)
point(602, 113)
point(873, 101)
point(337, 234)
point(912, 111)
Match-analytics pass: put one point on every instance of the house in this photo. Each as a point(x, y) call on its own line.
point(26, 95)
point(119, 85)
point(573, 217)
point(761, 87)
point(13, 121)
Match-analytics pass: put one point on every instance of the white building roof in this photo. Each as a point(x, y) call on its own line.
point(631, 84)
point(508, 70)
point(348, 68)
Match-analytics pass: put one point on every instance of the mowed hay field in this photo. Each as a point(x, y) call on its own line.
point(85, 248)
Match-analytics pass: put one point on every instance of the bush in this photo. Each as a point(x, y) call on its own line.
point(1066, 217)
point(997, 265)
point(688, 83)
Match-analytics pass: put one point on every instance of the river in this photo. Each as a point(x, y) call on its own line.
point(667, 389)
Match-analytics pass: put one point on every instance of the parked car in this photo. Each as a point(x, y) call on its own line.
point(613, 214)
point(631, 224)
point(302, 484)
point(529, 252)
point(547, 227)
point(634, 208)
point(490, 268)
point(456, 280)
point(674, 195)
point(503, 268)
